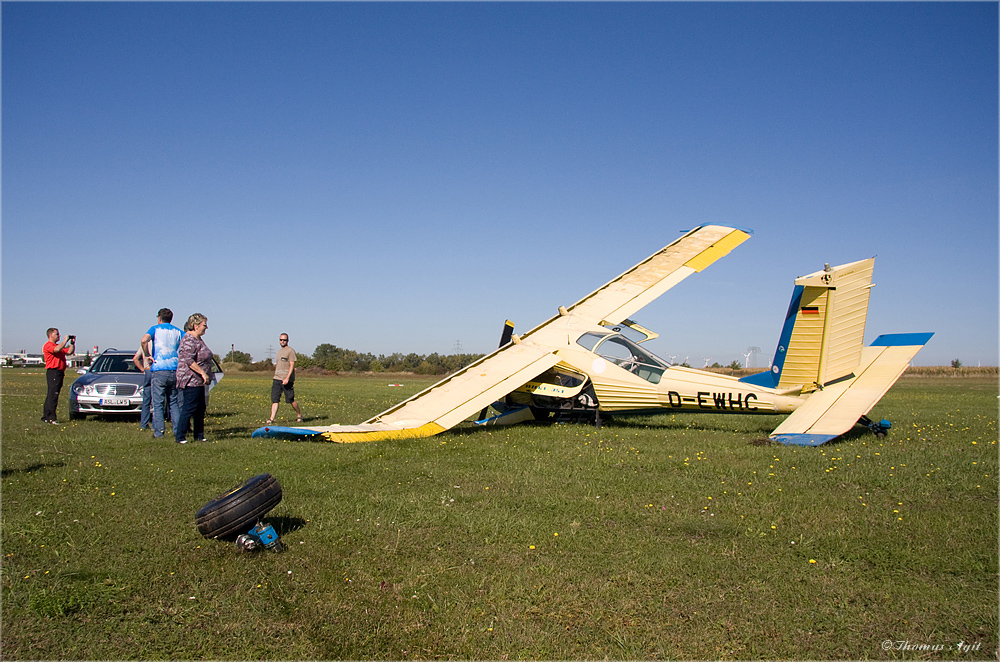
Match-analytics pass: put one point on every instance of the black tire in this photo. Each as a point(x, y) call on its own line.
point(239, 509)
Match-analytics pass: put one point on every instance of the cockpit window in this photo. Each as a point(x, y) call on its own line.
point(616, 349)
point(633, 334)
point(625, 354)
point(588, 340)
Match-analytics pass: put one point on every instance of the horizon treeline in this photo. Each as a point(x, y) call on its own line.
point(337, 359)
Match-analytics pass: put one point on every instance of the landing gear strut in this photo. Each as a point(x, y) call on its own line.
point(261, 535)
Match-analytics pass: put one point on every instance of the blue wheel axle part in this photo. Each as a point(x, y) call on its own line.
point(260, 536)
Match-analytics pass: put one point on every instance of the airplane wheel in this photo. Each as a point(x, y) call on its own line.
point(237, 511)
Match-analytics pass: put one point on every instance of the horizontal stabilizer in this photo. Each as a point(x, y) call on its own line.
point(831, 412)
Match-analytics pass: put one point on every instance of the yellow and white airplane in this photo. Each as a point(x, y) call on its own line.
point(580, 365)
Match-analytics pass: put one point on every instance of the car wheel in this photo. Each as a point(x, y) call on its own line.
point(239, 509)
point(76, 416)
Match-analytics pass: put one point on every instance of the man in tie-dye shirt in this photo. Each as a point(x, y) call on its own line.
point(159, 351)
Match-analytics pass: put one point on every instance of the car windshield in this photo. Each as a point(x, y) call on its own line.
point(114, 363)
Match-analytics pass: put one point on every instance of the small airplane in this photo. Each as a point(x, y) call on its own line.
point(587, 362)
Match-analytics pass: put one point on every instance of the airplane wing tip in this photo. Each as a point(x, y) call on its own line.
point(803, 439)
point(280, 432)
point(902, 339)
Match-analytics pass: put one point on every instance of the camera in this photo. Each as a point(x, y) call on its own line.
point(71, 338)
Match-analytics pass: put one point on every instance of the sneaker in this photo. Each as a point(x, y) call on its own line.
point(53, 422)
point(202, 439)
point(181, 441)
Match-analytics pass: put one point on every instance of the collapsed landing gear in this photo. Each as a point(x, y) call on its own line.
point(881, 428)
point(582, 408)
point(556, 396)
point(236, 515)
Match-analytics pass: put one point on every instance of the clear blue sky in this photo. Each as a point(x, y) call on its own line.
point(405, 177)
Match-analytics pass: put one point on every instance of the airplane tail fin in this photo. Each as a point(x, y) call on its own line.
point(505, 337)
point(824, 329)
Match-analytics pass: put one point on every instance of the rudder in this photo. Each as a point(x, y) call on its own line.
point(823, 334)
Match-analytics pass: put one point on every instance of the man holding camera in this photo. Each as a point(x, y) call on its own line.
point(55, 370)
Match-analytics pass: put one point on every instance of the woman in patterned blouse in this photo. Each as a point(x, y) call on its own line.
point(194, 371)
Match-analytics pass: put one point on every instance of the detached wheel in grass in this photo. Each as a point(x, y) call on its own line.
point(236, 511)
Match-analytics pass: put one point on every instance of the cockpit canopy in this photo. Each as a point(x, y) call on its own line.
point(626, 354)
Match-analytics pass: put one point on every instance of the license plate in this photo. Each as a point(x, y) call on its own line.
point(112, 402)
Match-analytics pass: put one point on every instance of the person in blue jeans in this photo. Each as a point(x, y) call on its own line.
point(159, 351)
point(194, 372)
point(146, 417)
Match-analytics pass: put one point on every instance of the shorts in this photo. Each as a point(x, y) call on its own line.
point(277, 388)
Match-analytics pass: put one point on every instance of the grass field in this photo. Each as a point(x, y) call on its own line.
point(664, 537)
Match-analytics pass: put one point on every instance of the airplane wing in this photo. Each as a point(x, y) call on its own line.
point(829, 413)
point(443, 405)
point(640, 285)
point(467, 392)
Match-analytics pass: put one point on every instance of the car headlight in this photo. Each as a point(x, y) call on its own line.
point(84, 389)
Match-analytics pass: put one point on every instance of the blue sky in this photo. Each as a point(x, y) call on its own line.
point(405, 177)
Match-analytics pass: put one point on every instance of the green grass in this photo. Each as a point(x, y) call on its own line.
point(661, 537)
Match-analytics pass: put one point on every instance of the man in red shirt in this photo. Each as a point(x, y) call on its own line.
point(55, 370)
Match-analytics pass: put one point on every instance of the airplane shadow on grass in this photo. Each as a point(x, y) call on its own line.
point(760, 429)
point(640, 423)
point(720, 423)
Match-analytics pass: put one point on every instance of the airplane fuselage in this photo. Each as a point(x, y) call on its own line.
point(643, 382)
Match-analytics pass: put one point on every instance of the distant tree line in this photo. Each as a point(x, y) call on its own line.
point(336, 359)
